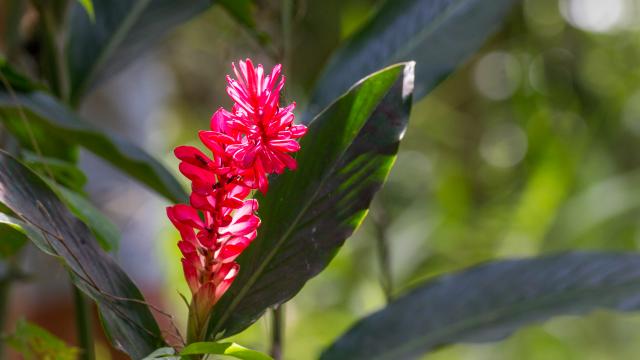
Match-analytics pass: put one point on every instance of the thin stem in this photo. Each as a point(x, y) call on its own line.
point(277, 333)
point(83, 325)
point(287, 26)
point(5, 290)
point(381, 222)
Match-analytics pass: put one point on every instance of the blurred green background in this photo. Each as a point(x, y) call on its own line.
point(531, 147)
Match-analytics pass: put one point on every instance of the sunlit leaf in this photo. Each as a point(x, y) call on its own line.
point(128, 320)
point(229, 349)
point(307, 214)
point(491, 301)
point(437, 34)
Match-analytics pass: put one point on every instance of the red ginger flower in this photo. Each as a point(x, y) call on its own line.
point(247, 144)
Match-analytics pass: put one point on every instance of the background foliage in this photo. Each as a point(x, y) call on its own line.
point(530, 148)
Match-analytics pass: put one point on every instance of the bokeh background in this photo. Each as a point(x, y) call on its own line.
point(531, 147)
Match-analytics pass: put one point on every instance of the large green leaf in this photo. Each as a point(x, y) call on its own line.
point(489, 302)
point(128, 321)
point(437, 34)
point(307, 214)
point(120, 32)
point(47, 113)
point(35, 343)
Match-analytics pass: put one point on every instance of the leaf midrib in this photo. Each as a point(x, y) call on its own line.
point(256, 274)
point(501, 312)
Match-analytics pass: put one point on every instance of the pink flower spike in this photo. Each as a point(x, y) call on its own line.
point(256, 138)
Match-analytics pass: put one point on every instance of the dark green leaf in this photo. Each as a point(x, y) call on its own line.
point(12, 236)
point(241, 10)
point(491, 301)
point(437, 34)
point(229, 349)
point(16, 80)
point(320, 21)
point(308, 213)
point(105, 231)
point(64, 172)
point(55, 118)
point(34, 343)
point(122, 30)
point(128, 320)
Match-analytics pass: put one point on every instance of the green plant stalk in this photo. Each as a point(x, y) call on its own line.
point(5, 292)
point(83, 325)
point(381, 223)
point(287, 28)
point(277, 332)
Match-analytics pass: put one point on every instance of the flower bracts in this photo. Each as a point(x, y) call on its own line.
point(247, 144)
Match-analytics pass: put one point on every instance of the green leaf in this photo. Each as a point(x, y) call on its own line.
point(45, 112)
point(163, 354)
point(64, 172)
point(105, 231)
point(88, 7)
point(307, 214)
point(229, 349)
point(12, 236)
point(437, 34)
point(241, 10)
point(128, 320)
point(491, 301)
point(16, 80)
point(122, 30)
point(34, 343)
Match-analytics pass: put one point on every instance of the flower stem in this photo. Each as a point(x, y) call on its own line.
point(277, 333)
point(83, 325)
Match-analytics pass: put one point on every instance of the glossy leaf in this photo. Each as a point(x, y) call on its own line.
point(229, 349)
point(307, 214)
point(122, 30)
point(34, 343)
point(127, 319)
point(48, 114)
point(491, 301)
point(437, 34)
